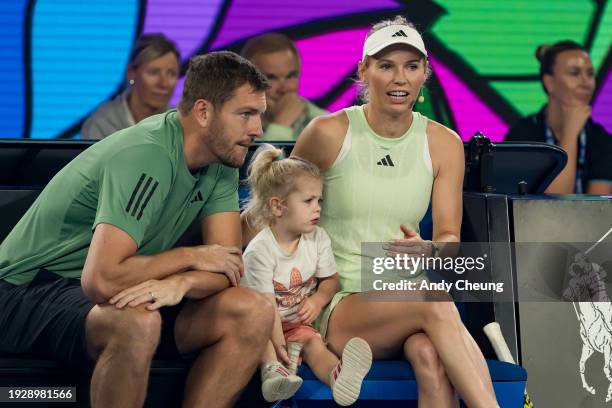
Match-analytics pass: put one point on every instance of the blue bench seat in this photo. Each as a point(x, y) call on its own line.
point(395, 381)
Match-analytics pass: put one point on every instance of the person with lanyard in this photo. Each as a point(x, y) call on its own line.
point(381, 164)
point(568, 78)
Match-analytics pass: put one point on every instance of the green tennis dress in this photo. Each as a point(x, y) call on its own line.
point(374, 185)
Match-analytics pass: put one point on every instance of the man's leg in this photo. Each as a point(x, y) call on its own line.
point(231, 329)
point(123, 342)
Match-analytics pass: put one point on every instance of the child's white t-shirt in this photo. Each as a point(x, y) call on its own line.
point(292, 278)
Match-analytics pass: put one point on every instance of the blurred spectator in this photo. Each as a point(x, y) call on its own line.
point(568, 79)
point(152, 73)
point(287, 113)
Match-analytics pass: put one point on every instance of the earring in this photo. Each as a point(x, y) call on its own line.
point(131, 82)
point(421, 98)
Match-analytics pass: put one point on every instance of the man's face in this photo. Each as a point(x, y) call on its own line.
point(282, 69)
point(235, 125)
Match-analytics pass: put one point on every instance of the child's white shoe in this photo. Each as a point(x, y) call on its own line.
point(277, 383)
point(348, 375)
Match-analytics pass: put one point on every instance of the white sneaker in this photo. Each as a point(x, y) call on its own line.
point(277, 383)
point(348, 375)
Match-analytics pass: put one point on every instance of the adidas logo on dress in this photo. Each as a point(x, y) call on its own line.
point(386, 161)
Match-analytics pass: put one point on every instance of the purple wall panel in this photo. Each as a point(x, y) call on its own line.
point(178, 92)
point(328, 58)
point(246, 18)
point(346, 99)
point(602, 108)
point(471, 114)
point(186, 22)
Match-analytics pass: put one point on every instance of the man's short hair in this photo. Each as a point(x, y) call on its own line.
point(268, 43)
point(216, 76)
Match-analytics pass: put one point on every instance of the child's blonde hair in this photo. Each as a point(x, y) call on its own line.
point(270, 174)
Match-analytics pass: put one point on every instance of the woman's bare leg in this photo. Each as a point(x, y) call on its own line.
point(481, 363)
point(434, 388)
point(386, 325)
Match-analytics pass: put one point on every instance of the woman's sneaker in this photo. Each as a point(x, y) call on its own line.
point(277, 383)
point(348, 375)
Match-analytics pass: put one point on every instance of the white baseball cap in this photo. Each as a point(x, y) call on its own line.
point(390, 35)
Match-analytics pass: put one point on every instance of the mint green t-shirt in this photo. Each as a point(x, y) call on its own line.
point(279, 133)
point(137, 180)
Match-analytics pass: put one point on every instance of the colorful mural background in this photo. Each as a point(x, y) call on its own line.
point(62, 58)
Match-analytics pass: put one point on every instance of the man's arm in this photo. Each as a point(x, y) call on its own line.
point(112, 266)
point(217, 229)
point(248, 229)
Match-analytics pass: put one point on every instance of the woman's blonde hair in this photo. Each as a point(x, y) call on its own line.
point(270, 174)
point(151, 46)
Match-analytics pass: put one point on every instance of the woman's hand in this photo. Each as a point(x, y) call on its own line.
point(411, 244)
point(573, 120)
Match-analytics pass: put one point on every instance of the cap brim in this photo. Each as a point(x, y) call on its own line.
point(381, 47)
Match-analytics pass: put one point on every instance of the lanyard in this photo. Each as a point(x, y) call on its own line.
point(550, 139)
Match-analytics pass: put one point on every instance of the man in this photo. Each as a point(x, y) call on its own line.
point(277, 57)
point(88, 273)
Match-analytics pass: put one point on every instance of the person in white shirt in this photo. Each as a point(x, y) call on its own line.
point(291, 262)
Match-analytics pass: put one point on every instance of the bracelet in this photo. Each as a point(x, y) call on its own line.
point(435, 249)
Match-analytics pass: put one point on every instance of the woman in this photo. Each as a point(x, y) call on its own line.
point(152, 73)
point(567, 76)
point(382, 163)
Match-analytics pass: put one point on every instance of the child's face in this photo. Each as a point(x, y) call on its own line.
point(303, 206)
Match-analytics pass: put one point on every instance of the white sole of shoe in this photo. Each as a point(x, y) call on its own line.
point(356, 362)
point(280, 388)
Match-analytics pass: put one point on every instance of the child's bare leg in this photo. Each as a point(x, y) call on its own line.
point(343, 376)
point(269, 355)
point(276, 382)
point(318, 357)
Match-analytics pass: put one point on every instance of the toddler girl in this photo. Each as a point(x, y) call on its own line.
point(291, 261)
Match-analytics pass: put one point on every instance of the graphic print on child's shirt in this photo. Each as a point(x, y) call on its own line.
point(289, 299)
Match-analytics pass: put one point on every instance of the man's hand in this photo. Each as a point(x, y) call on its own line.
point(220, 259)
point(288, 109)
point(165, 292)
point(310, 309)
